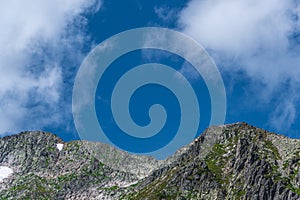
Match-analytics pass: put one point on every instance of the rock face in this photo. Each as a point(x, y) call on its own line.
point(234, 161)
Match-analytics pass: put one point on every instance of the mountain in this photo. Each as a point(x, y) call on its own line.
point(235, 161)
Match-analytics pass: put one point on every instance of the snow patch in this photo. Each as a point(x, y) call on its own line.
point(60, 146)
point(129, 184)
point(5, 172)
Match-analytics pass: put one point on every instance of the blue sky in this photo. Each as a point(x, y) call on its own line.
point(255, 45)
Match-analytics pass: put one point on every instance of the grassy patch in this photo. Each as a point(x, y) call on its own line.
point(112, 188)
point(239, 193)
point(270, 145)
point(215, 162)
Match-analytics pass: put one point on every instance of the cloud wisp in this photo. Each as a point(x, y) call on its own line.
point(36, 39)
point(258, 38)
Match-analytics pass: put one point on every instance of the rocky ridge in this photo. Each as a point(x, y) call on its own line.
point(236, 161)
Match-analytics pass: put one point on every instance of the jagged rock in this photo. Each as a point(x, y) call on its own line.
point(234, 161)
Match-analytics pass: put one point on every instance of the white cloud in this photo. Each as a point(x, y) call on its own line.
point(284, 113)
point(238, 27)
point(35, 38)
point(254, 37)
point(166, 14)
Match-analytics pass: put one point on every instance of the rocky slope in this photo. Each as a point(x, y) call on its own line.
point(234, 161)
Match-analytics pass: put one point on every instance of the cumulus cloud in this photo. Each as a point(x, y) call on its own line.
point(258, 38)
point(35, 39)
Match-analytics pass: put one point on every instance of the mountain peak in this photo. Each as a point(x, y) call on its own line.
point(235, 161)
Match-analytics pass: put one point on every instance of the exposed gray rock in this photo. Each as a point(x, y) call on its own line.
point(234, 161)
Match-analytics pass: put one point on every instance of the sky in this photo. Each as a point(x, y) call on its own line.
point(254, 44)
